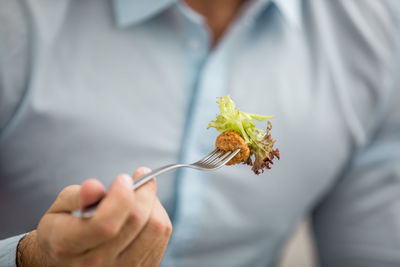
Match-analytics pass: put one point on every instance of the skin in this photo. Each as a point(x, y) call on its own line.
point(218, 15)
point(129, 228)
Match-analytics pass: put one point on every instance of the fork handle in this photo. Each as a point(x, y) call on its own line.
point(89, 211)
point(147, 177)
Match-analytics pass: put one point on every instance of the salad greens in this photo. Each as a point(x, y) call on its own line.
point(260, 143)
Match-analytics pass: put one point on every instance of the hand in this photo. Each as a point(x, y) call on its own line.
point(129, 228)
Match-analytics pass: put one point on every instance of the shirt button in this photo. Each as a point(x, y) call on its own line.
point(194, 44)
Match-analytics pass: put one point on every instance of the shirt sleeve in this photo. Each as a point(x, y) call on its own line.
point(8, 250)
point(358, 222)
point(15, 54)
point(13, 59)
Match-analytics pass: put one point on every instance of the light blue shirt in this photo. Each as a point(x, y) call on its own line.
point(96, 88)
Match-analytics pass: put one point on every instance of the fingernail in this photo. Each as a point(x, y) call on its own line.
point(145, 170)
point(127, 181)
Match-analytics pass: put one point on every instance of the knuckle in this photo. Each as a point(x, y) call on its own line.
point(168, 229)
point(158, 225)
point(107, 230)
point(136, 218)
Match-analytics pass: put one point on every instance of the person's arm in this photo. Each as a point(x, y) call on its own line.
point(15, 54)
point(14, 57)
point(358, 224)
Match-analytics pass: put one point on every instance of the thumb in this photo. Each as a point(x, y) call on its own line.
point(78, 196)
point(67, 200)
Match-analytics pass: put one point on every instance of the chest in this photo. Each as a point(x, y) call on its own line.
point(107, 104)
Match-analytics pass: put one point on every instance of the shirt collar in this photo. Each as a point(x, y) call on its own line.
point(130, 12)
point(291, 9)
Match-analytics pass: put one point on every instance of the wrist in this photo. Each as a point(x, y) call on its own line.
point(28, 252)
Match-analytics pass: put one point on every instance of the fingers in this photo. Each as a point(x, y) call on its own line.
point(70, 235)
point(151, 243)
point(145, 196)
point(91, 192)
point(121, 207)
point(67, 200)
point(75, 196)
point(147, 249)
point(152, 184)
point(115, 208)
point(144, 202)
point(120, 218)
point(156, 254)
point(141, 171)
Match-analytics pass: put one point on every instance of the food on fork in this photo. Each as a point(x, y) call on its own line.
point(230, 141)
point(239, 131)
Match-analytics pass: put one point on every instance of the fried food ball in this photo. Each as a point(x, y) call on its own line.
point(230, 141)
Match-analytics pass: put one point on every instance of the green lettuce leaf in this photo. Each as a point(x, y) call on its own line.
point(260, 143)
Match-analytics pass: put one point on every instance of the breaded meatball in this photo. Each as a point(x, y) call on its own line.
point(230, 141)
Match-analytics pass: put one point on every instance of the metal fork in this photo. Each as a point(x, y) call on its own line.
point(212, 161)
